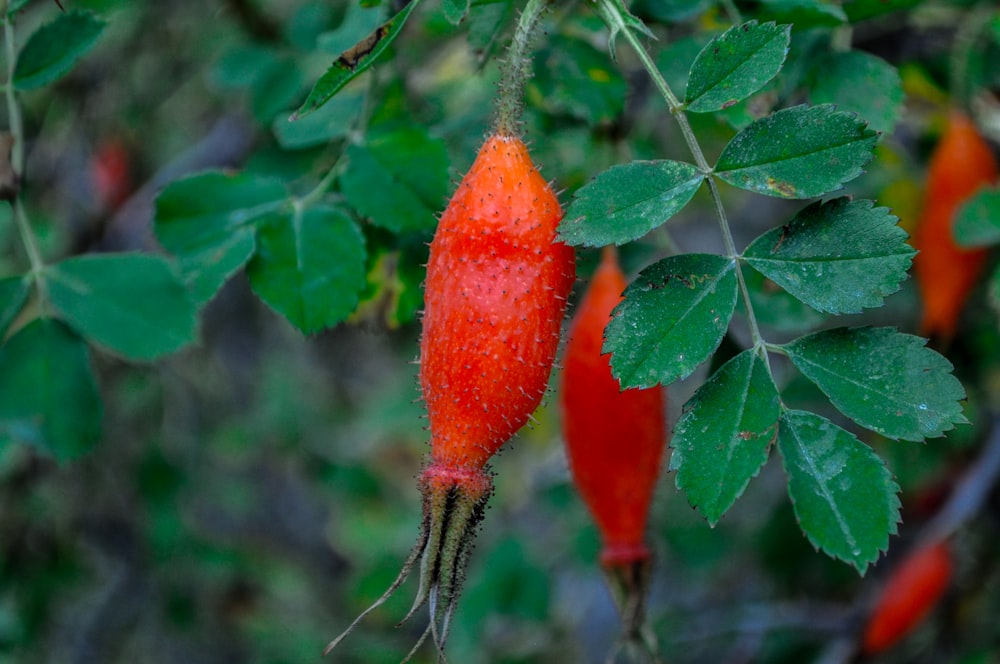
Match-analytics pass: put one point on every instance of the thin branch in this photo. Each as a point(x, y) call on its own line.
point(970, 493)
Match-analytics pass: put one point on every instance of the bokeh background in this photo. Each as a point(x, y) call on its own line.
point(253, 493)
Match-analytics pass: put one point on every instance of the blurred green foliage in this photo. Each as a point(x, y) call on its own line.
point(248, 496)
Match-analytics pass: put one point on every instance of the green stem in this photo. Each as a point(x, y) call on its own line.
point(321, 187)
point(516, 70)
point(17, 155)
point(677, 109)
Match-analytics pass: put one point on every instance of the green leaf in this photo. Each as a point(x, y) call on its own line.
point(723, 437)
point(484, 25)
point(977, 222)
point(673, 317)
point(399, 179)
point(54, 48)
point(275, 89)
point(133, 304)
point(354, 61)
point(798, 152)
point(205, 208)
point(804, 14)
point(47, 393)
point(332, 121)
point(776, 308)
point(625, 202)
point(206, 269)
point(207, 220)
point(455, 10)
point(736, 64)
point(838, 256)
point(859, 83)
point(309, 21)
point(884, 380)
point(393, 295)
point(844, 496)
point(310, 267)
point(575, 78)
point(242, 66)
point(13, 294)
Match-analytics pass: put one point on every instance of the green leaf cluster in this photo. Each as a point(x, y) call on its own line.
point(307, 252)
point(835, 256)
point(132, 305)
point(342, 236)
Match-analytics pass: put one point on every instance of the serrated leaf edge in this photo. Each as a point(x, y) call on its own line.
point(786, 32)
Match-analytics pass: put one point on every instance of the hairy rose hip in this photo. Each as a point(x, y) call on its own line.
point(961, 164)
point(614, 441)
point(495, 296)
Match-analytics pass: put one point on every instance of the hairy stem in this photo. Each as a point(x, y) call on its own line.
point(612, 12)
point(16, 126)
point(516, 70)
point(972, 490)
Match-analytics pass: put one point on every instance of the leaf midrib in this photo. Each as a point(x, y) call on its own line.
point(823, 485)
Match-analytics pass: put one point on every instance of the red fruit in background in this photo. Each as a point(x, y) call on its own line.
point(494, 298)
point(111, 174)
point(614, 439)
point(908, 597)
point(961, 164)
